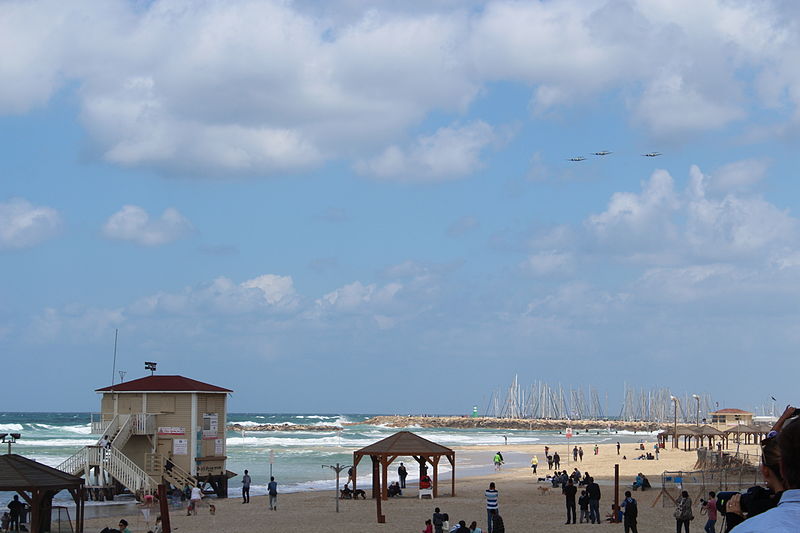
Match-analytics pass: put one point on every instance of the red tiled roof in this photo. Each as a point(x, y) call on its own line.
point(163, 383)
point(731, 412)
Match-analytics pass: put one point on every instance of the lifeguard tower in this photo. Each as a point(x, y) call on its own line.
point(159, 429)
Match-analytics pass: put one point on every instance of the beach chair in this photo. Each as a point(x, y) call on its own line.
point(426, 492)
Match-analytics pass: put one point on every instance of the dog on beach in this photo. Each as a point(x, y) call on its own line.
point(543, 490)
point(212, 509)
point(347, 494)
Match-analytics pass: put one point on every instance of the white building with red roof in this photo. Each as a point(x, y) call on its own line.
point(156, 429)
point(731, 417)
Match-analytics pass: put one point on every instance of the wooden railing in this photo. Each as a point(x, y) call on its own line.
point(156, 466)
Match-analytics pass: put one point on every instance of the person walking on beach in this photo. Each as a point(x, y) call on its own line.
point(580, 453)
point(498, 461)
point(556, 460)
point(272, 489)
point(631, 512)
point(596, 449)
point(403, 473)
point(617, 448)
point(534, 463)
point(492, 507)
point(428, 526)
point(570, 490)
point(438, 521)
point(194, 500)
point(593, 491)
point(575, 454)
point(549, 462)
point(683, 512)
point(246, 487)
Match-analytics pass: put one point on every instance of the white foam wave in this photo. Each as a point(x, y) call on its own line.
point(82, 430)
point(10, 427)
point(56, 442)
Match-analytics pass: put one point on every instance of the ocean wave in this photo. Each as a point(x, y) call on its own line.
point(82, 430)
point(295, 441)
point(56, 442)
point(10, 427)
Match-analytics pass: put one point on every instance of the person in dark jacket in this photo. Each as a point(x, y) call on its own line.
point(438, 521)
point(593, 491)
point(570, 490)
point(497, 524)
point(583, 503)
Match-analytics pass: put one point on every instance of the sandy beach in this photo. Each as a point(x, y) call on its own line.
point(522, 505)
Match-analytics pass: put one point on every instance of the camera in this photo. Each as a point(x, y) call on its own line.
point(753, 501)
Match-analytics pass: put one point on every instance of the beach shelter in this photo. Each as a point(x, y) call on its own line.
point(404, 444)
point(37, 484)
point(707, 432)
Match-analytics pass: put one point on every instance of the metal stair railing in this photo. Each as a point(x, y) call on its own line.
point(127, 472)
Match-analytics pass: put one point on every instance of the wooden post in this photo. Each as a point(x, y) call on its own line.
point(163, 506)
point(435, 461)
point(385, 478)
point(616, 493)
point(453, 475)
point(376, 487)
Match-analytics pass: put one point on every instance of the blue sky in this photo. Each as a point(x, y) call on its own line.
point(361, 207)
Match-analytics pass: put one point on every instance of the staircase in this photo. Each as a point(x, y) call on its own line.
point(156, 466)
point(114, 462)
point(110, 460)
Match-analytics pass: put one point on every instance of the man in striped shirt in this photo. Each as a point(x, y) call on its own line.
point(491, 505)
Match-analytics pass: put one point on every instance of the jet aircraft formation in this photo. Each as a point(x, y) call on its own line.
point(602, 153)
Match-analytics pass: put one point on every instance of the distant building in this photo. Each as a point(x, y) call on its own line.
point(160, 429)
point(731, 417)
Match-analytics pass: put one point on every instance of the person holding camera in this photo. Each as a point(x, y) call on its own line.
point(710, 509)
point(784, 517)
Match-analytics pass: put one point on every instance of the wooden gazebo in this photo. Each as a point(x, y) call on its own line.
point(749, 432)
point(37, 484)
point(708, 432)
point(404, 444)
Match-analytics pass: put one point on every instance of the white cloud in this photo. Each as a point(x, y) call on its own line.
point(357, 296)
point(276, 289)
point(268, 292)
point(23, 224)
point(548, 262)
point(132, 223)
point(642, 219)
point(449, 153)
point(738, 176)
point(268, 87)
point(660, 224)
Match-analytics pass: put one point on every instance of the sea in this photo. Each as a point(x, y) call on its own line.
point(300, 460)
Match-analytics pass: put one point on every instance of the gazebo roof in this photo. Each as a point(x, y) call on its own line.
point(404, 443)
point(21, 473)
point(708, 431)
point(742, 428)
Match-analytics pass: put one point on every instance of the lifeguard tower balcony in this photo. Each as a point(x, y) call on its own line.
point(153, 430)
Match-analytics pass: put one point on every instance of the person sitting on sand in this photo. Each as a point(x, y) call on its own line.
point(394, 489)
point(637, 483)
point(461, 527)
point(615, 516)
point(473, 527)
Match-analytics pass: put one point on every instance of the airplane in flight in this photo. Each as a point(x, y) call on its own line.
point(579, 158)
point(652, 154)
point(602, 152)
